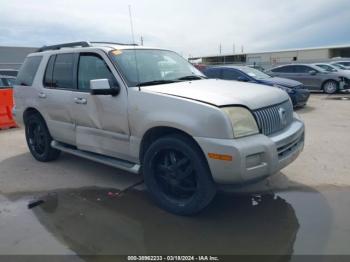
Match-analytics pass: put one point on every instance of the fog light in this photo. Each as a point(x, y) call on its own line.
point(254, 160)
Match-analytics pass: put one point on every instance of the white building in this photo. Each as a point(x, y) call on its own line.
point(271, 58)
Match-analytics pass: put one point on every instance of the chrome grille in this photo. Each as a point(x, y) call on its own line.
point(274, 118)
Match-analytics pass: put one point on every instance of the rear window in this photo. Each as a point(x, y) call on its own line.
point(28, 70)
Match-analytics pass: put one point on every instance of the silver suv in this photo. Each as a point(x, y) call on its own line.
point(149, 111)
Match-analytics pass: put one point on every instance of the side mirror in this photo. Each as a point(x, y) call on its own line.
point(242, 79)
point(103, 87)
point(313, 72)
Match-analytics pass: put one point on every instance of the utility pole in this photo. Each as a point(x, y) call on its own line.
point(220, 48)
point(141, 40)
point(233, 48)
point(242, 51)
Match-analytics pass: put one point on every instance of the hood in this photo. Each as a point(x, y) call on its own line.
point(222, 92)
point(281, 81)
point(343, 73)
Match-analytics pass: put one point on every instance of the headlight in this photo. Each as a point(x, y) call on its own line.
point(243, 122)
point(288, 90)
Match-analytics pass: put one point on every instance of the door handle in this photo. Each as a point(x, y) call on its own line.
point(80, 100)
point(42, 95)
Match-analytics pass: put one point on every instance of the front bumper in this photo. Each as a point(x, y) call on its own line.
point(253, 157)
point(300, 97)
point(344, 84)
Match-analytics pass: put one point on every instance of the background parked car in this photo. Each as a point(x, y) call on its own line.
point(298, 94)
point(345, 64)
point(6, 81)
point(9, 72)
point(313, 77)
point(258, 67)
point(340, 67)
point(328, 67)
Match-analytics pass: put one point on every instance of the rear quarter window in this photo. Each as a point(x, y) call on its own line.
point(28, 71)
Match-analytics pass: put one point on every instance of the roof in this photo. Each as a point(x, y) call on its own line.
point(86, 45)
point(229, 66)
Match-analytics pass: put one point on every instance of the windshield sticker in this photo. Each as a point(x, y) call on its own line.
point(252, 74)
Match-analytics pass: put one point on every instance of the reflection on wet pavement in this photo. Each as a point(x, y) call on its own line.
point(133, 225)
point(100, 221)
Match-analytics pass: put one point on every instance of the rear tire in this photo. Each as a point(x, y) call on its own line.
point(330, 87)
point(177, 175)
point(39, 139)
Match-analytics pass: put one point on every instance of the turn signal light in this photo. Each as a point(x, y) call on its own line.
point(220, 157)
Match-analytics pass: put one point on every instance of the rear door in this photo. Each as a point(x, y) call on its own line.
point(284, 71)
point(101, 120)
point(54, 98)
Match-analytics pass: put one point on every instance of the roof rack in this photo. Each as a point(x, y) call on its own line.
point(57, 47)
point(112, 43)
point(77, 44)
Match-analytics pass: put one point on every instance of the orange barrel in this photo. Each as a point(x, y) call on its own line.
point(6, 105)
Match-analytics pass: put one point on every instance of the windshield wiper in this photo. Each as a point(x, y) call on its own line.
point(191, 77)
point(156, 82)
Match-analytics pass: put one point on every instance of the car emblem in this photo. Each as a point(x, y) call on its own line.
point(282, 114)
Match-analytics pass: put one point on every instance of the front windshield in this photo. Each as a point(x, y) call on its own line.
point(345, 63)
point(257, 74)
point(144, 66)
point(328, 68)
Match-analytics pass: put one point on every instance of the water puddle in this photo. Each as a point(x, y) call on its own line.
point(342, 98)
point(94, 221)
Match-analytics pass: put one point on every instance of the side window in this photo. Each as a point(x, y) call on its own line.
point(1, 83)
point(213, 72)
point(229, 74)
point(92, 66)
point(49, 72)
point(284, 69)
point(63, 71)
point(28, 71)
point(277, 70)
point(302, 69)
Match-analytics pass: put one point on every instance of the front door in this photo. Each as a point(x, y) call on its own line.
point(303, 75)
point(101, 120)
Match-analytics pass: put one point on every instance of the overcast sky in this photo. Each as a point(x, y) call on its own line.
point(189, 27)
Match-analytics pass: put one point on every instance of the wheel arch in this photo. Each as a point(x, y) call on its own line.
point(31, 111)
point(327, 80)
point(155, 133)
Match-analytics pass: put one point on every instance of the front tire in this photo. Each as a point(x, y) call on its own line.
point(39, 139)
point(330, 87)
point(177, 175)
